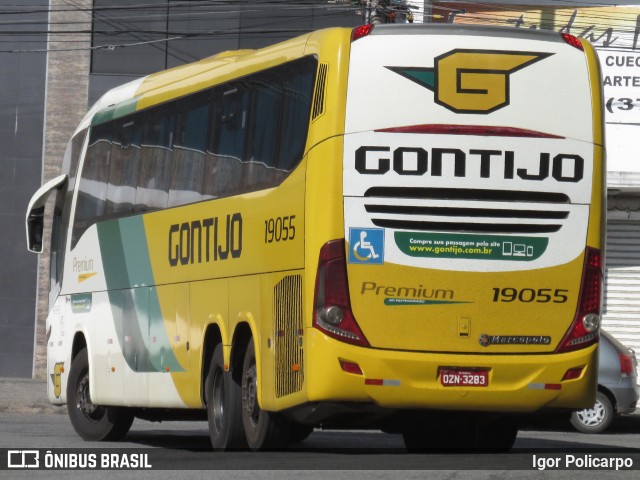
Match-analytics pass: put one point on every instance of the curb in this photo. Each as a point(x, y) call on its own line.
point(26, 395)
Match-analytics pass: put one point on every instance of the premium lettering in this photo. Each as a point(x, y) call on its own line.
point(418, 291)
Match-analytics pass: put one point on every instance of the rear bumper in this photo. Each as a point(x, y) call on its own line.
point(410, 380)
point(626, 393)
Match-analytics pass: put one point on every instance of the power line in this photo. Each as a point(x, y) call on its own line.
point(126, 26)
point(123, 26)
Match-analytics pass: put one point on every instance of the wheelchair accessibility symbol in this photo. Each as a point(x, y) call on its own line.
point(366, 245)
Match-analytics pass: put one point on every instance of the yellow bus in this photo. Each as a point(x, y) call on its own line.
point(396, 227)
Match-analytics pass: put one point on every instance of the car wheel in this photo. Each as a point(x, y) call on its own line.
point(595, 419)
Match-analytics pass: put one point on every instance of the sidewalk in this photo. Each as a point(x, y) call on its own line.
point(24, 395)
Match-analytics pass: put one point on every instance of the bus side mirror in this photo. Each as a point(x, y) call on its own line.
point(35, 212)
point(35, 228)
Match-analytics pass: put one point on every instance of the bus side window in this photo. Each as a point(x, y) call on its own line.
point(92, 189)
point(62, 211)
point(156, 154)
point(189, 149)
point(264, 126)
point(226, 152)
point(298, 88)
point(123, 167)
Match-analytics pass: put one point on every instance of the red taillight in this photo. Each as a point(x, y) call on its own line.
point(478, 130)
point(573, 41)
point(350, 367)
point(584, 330)
point(626, 365)
point(332, 307)
point(573, 373)
point(361, 31)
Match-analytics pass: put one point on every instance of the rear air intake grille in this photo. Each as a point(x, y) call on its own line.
point(287, 317)
point(466, 210)
point(466, 227)
point(464, 194)
point(318, 96)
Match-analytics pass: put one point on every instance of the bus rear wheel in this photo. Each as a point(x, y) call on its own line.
point(497, 435)
point(91, 421)
point(264, 430)
point(223, 395)
point(428, 437)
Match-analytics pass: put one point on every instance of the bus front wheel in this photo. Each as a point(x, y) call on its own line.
point(264, 430)
point(223, 396)
point(91, 421)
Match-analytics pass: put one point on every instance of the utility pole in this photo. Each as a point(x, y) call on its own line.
point(428, 12)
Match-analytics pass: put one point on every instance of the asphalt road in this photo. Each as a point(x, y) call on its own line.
point(181, 450)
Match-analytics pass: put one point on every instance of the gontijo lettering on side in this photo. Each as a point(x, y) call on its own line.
point(206, 240)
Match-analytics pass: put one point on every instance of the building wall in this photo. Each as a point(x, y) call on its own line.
point(21, 112)
point(67, 87)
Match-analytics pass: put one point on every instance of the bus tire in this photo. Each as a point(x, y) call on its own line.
point(92, 422)
point(497, 435)
point(224, 405)
point(425, 437)
point(264, 430)
point(299, 433)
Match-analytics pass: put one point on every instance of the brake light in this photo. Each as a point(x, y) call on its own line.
point(350, 367)
point(361, 31)
point(626, 365)
point(584, 330)
point(332, 308)
point(479, 130)
point(573, 373)
point(573, 41)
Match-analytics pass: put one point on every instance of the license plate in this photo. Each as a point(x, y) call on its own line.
point(451, 377)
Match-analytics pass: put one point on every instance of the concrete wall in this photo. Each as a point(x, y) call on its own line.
point(22, 81)
point(65, 104)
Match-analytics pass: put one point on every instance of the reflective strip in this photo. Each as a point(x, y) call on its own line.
point(381, 382)
point(545, 386)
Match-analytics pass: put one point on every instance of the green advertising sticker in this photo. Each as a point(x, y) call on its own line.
point(471, 246)
point(81, 303)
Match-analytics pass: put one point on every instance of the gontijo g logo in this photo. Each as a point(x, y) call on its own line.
point(471, 81)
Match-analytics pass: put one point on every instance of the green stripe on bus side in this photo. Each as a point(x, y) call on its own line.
point(134, 299)
point(111, 250)
point(115, 111)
